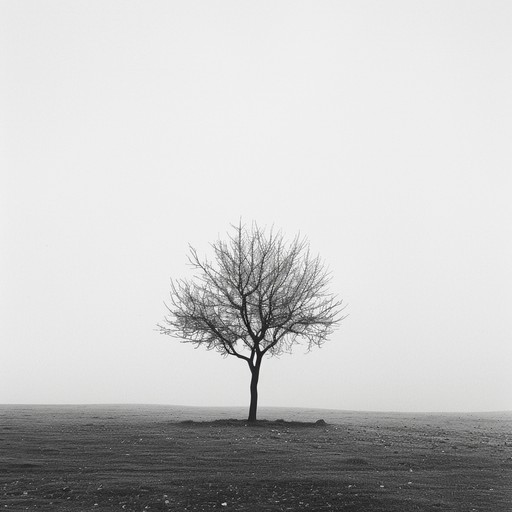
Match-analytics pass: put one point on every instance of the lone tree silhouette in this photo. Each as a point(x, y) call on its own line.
point(259, 295)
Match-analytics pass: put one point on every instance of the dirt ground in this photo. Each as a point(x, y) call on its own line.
point(67, 460)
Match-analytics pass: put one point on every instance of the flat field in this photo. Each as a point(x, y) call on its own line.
point(108, 458)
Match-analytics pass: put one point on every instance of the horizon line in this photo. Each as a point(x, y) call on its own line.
point(138, 404)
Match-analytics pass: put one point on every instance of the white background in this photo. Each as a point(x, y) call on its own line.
point(380, 130)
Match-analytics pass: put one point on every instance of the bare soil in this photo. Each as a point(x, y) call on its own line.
point(104, 461)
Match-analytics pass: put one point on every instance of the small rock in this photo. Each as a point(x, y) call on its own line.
point(320, 423)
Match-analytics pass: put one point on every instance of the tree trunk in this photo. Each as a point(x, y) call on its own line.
point(255, 375)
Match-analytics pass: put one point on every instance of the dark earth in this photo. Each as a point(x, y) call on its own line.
point(108, 459)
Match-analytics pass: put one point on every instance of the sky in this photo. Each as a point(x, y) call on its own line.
point(381, 131)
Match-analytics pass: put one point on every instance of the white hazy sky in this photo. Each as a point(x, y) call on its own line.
point(381, 130)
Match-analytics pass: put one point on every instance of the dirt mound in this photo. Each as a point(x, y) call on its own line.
point(231, 422)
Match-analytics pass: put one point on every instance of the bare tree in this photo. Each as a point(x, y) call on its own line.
point(259, 295)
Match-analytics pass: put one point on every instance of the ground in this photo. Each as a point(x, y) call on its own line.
point(362, 463)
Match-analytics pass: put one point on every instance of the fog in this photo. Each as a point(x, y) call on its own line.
point(380, 131)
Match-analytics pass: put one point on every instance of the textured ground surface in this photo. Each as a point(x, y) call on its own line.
point(111, 459)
